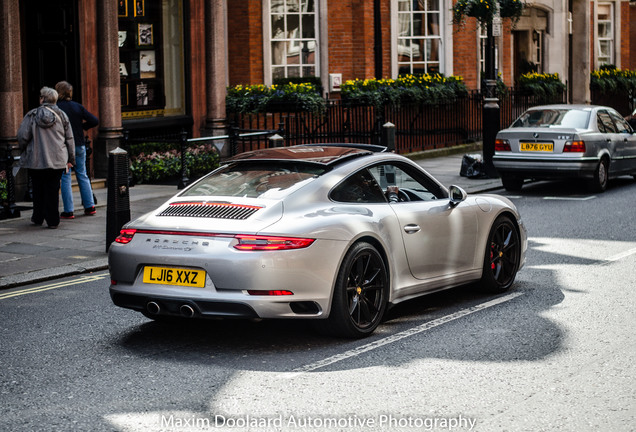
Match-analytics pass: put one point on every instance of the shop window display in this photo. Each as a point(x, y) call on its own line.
point(147, 66)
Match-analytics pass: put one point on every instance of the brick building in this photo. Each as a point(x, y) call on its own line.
point(151, 66)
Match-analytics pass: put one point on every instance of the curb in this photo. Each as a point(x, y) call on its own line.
point(37, 276)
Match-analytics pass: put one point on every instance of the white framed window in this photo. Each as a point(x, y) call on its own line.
point(291, 42)
point(419, 36)
point(537, 44)
point(605, 33)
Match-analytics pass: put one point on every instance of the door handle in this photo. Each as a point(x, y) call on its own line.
point(411, 229)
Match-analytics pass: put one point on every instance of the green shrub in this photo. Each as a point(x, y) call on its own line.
point(160, 165)
point(405, 90)
point(543, 85)
point(3, 186)
point(278, 97)
point(610, 79)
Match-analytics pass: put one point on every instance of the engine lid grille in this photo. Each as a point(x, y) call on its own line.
point(215, 210)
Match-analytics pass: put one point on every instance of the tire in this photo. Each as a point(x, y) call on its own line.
point(502, 256)
point(512, 184)
point(360, 295)
point(599, 182)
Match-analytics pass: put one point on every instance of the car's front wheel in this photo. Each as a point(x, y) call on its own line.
point(360, 295)
point(503, 253)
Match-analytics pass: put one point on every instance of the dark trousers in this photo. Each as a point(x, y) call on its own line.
point(46, 195)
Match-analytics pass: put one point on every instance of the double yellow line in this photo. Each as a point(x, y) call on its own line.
point(80, 280)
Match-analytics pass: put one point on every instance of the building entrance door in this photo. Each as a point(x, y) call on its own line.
point(52, 47)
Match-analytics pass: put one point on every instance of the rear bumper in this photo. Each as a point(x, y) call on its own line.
point(545, 168)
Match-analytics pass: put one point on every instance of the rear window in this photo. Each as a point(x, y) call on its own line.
point(553, 118)
point(271, 180)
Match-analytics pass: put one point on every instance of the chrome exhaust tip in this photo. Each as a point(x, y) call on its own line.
point(186, 311)
point(153, 308)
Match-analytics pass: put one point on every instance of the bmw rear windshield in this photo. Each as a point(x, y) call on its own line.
point(554, 118)
point(269, 180)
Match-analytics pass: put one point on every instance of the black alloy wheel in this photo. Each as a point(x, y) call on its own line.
point(503, 253)
point(360, 294)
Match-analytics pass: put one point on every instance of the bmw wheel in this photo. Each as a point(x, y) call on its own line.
point(501, 260)
point(360, 294)
point(599, 182)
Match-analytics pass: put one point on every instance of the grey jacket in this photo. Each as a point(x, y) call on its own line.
point(45, 138)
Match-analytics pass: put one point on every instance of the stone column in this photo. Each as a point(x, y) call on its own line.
point(11, 99)
point(580, 56)
point(216, 67)
point(110, 129)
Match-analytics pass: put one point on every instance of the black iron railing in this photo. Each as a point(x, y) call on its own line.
point(418, 127)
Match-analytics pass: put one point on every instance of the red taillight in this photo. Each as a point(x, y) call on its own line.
point(574, 147)
point(251, 243)
point(269, 293)
point(125, 236)
point(502, 145)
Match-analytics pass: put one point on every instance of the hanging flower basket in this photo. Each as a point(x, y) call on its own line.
point(482, 10)
point(511, 9)
point(485, 10)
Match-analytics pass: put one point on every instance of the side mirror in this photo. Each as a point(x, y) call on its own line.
point(457, 195)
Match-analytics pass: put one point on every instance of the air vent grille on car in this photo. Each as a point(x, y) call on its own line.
point(210, 210)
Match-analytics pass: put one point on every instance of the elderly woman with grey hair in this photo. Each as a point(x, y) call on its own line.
point(48, 150)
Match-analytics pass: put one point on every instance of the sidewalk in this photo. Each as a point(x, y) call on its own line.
point(30, 253)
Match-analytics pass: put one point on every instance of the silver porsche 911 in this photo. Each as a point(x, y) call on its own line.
point(332, 233)
point(558, 141)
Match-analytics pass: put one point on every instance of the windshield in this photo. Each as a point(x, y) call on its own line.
point(271, 180)
point(553, 118)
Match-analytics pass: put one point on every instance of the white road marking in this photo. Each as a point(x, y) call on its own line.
point(55, 285)
point(620, 256)
point(399, 336)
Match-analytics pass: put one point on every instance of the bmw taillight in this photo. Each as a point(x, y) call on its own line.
point(257, 242)
point(125, 236)
point(502, 145)
point(574, 147)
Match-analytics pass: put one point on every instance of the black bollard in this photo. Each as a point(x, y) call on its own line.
point(118, 201)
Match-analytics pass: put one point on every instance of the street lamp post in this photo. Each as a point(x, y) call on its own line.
point(490, 114)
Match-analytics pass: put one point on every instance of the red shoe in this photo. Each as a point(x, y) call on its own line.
point(67, 215)
point(90, 211)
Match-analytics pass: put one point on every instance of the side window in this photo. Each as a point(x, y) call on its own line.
point(605, 119)
point(621, 123)
point(361, 187)
point(600, 125)
point(412, 185)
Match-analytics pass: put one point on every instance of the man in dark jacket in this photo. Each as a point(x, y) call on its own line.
point(81, 120)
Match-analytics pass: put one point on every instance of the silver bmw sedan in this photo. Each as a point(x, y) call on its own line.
point(559, 141)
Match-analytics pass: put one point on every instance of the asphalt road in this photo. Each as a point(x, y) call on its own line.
point(556, 353)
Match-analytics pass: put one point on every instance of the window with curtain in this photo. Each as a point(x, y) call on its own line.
point(293, 38)
point(419, 36)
